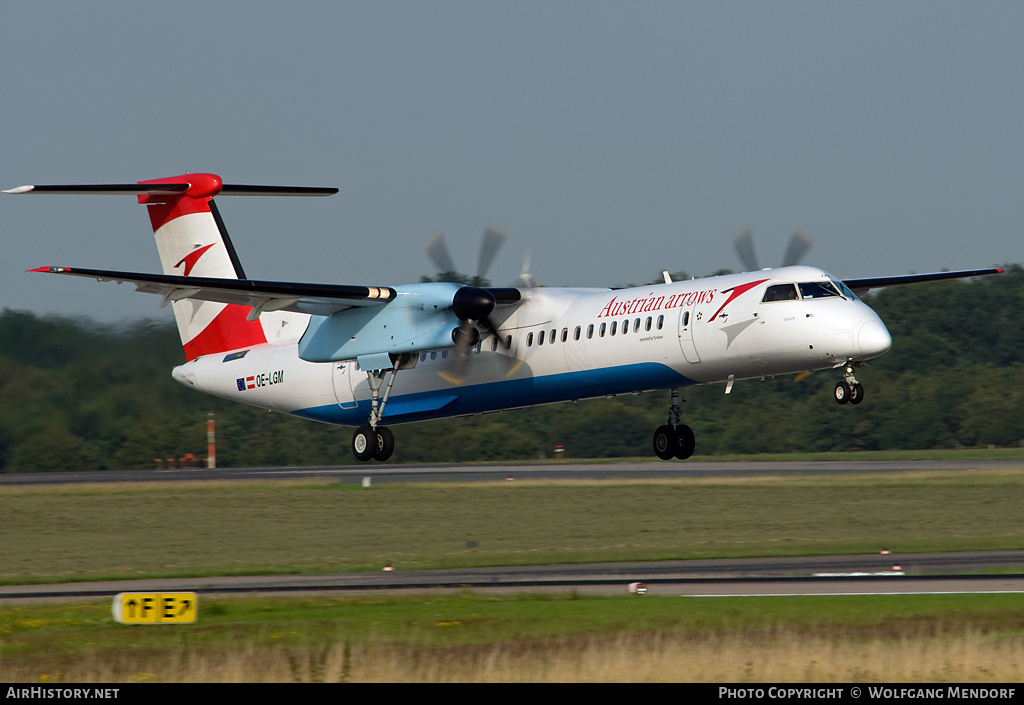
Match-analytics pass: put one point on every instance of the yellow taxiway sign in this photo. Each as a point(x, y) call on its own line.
point(155, 607)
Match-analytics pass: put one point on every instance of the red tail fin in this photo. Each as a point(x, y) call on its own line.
point(192, 242)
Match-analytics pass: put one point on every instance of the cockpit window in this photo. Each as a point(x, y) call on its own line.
point(844, 290)
point(780, 292)
point(817, 290)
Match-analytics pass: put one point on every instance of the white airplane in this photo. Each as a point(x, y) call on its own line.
point(368, 356)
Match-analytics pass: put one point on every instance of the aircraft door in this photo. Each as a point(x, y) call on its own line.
point(345, 379)
point(687, 321)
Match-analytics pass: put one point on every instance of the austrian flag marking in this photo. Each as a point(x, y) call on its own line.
point(266, 379)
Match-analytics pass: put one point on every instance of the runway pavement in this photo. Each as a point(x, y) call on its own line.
point(968, 572)
point(379, 473)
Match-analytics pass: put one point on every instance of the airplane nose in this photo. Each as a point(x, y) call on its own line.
point(873, 339)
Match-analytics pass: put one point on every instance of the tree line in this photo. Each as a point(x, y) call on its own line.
point(75, 394)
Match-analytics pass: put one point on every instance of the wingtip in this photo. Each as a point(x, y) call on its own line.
point(21, 189)
point(52, 270)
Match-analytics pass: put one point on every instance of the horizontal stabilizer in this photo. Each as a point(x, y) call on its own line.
point(171, 190)
point(317, 299)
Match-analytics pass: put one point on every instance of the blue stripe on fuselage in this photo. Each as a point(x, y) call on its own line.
point(507, 394)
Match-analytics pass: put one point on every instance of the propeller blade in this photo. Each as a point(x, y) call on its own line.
point(799, 245)
point(494, 238)
point(743, 243)
point(465, 337)
point(526, 280)
point(438, 253)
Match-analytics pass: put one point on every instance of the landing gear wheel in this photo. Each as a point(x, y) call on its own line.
point(843, 393)
point(385, 444)
point(686, 443)
point(364, 443)
point(666, 442)
point(856, 394)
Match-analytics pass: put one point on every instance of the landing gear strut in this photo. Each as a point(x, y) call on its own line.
point(849, 391)
point(674, 440)
point(373, 440)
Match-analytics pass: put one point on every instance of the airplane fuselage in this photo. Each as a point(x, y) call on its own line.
point(561, 344)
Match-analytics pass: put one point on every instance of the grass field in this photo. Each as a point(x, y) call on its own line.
point(200, 528)
point(469, 638)
point(75, 532)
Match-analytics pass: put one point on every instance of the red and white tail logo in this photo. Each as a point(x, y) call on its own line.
point(191, 243)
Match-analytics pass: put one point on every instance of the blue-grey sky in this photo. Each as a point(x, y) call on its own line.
point(611, 139)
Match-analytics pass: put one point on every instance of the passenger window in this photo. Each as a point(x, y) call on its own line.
point(444, 354)
point(540, 338)
point(529, 340)
point(423, 357)
point(625, 326)
point(636, 325)
point(494, 343)
point(433, 355)
point(615, 324)
point(686, 318)
point(661, 322)
point(565, 334)
point(648, 326)
point(603, 328)
point(590, 331)
point(780, 292)
point(508, 342)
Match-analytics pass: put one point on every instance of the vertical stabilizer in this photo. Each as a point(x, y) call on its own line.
point(191, 240)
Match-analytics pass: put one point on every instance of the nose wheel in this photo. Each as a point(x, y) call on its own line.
point(849, 391)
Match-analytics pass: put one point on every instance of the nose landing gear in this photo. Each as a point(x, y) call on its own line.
point(849, 391)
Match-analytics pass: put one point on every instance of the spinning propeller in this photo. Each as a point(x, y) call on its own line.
point(800, 243)
point(473, 303)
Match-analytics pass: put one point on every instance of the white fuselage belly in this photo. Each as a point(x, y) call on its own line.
point(570, 344)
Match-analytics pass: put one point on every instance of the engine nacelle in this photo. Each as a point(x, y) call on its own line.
point(420, 317)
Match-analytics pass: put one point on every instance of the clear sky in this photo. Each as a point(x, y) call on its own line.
point(611, 139)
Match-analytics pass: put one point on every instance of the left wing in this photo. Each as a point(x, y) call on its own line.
point(317, 299)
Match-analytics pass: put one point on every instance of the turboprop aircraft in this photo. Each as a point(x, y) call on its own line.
point(372, 356)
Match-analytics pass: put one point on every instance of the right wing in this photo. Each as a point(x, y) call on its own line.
point(863, 285)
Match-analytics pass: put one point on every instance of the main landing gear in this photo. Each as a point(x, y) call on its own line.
point(674, 440)
point(849, 391)
point(373, 440)
point(368, 443)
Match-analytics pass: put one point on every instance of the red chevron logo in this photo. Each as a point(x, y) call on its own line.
point(191, 258)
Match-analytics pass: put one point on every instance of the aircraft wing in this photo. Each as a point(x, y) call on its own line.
point(317, 299)
point(862, 286)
